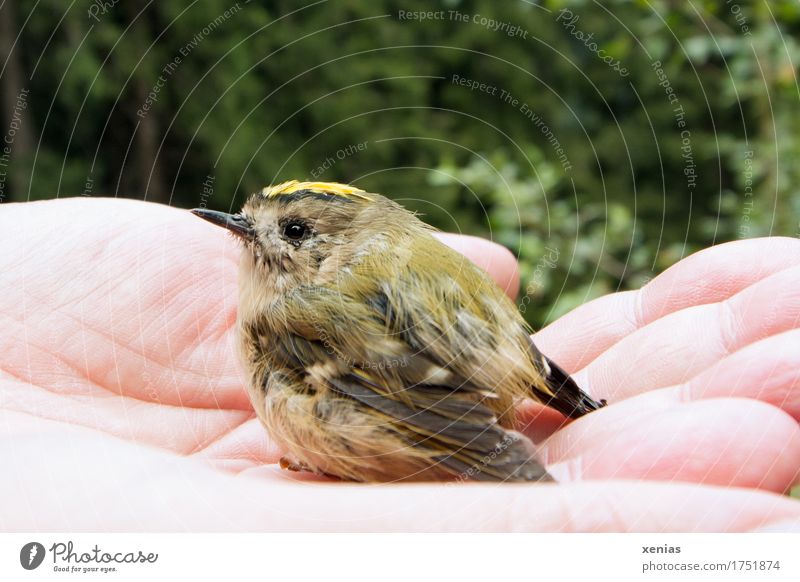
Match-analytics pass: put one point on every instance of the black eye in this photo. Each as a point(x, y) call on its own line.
point(295, 230)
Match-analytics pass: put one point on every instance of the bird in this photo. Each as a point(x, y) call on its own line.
point(375, 353)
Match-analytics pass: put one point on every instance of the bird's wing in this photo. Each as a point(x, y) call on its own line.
point(452, 425)
point(461, 435)
point(354, 346)
point(475, 331)
point(326, 324)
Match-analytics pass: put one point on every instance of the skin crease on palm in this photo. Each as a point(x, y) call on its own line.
point(122, 407)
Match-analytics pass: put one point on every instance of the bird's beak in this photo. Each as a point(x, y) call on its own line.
point(235, 223)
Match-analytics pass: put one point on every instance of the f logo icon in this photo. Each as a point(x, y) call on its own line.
point(31, 555)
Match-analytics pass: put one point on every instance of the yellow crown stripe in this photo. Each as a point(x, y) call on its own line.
point(332, 188)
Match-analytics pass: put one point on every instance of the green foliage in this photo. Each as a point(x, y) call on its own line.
point(587, 164)
point(569, 253)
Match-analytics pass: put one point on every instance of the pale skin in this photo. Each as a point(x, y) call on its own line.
point(122, 406)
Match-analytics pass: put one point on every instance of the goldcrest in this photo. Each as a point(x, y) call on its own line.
point(374, 352)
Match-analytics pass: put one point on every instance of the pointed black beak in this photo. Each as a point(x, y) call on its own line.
point(236, 223)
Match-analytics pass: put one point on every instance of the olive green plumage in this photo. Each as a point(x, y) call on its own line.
point(376, 353)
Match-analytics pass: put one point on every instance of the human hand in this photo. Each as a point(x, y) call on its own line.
point(123, 407)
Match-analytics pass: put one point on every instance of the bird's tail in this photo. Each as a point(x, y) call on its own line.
point(567, 397)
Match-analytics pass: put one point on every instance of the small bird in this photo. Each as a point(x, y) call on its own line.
point(376, 353)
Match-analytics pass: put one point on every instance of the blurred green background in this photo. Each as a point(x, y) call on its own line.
point(600, 142)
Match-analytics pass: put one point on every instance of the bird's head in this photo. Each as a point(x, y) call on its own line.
point(302, 233)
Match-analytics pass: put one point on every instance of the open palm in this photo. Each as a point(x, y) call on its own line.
point(123, 407)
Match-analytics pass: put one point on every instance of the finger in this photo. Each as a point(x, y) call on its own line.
point(493, 258)
point(716, 273)
point(123, 297)
point(245, 446)
point(677, 347)
point(767, 370)
point(584, 333)
point(600, 506)
point(709, 276)
point(131, 488)
point(661, 436)
point(28, 409)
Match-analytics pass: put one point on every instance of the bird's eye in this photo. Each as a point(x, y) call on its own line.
point(295, 230)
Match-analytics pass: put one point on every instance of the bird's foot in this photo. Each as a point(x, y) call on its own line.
point(290, 465)
point(298, 466)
